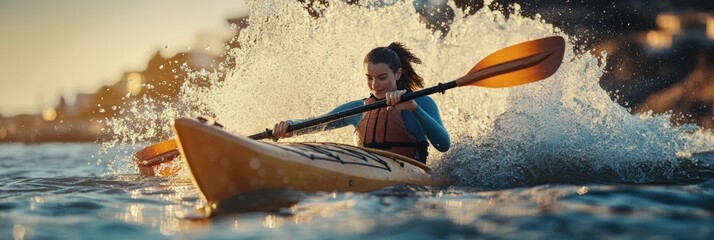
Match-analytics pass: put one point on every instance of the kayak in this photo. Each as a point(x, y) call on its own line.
point(223, 165)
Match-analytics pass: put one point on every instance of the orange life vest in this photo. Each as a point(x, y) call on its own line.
point(385, 130)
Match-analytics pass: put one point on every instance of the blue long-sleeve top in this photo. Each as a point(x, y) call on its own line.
point(423, 123)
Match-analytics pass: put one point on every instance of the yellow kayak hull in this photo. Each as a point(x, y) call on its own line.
point(223, 165)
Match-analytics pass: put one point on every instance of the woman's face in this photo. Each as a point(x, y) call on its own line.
point(381, 79)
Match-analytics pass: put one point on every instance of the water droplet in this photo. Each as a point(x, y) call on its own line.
point(582, 190)
point(254, 163)
point(18, 231)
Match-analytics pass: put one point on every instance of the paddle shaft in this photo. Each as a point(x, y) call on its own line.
point(441, 87)
point(339, 115)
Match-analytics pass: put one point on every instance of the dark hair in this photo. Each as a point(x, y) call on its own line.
point(397, 56)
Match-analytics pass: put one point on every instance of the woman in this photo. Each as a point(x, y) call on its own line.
point(402, 128)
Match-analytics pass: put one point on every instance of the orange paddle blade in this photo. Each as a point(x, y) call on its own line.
point(156, 160)
point(519, 64)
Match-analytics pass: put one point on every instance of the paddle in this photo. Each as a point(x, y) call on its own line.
point(511, 66)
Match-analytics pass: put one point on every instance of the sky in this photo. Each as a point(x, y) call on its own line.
point(59, 48)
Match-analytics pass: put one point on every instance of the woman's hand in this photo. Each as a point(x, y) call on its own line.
point(280, 130)
point(394, 104)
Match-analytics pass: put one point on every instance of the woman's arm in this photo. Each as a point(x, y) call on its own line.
point(427, 115)
point(351, 120)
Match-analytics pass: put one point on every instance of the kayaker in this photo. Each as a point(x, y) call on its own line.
point(406, 128)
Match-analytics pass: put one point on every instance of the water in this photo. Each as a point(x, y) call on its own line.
point(553, 159)
point(58, 191)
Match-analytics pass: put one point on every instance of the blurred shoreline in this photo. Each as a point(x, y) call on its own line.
point(660, 58)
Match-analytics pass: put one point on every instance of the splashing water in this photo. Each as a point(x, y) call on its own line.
point(566, 128)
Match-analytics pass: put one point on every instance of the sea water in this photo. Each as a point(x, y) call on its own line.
point(555, 158)
point(57, 191)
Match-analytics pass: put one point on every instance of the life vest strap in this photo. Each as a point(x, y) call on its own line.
point(388, 145)
point(421, 149)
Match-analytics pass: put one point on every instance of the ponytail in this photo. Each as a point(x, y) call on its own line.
point(397, 56)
